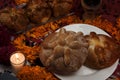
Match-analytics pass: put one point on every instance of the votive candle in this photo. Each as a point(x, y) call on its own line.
point(17, 60)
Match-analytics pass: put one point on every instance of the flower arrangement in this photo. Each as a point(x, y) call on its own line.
point(35, 73)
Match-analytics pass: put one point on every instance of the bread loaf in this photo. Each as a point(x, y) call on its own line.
point(103, 51)
point(64, 52)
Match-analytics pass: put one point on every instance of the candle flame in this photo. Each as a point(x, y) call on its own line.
point(17, 56)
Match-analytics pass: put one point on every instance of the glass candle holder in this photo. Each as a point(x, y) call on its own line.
point(90, 8)
point(17, 60)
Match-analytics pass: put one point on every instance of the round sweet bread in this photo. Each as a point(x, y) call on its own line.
point(14, 19)
point(103, 51)
point(64, 52)
point(38, 11)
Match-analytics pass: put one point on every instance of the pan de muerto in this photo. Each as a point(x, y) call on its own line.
point(64, 52)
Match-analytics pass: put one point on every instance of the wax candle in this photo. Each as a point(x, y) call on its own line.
point(17, 60)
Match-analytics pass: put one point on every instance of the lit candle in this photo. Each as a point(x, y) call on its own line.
point(17, 60)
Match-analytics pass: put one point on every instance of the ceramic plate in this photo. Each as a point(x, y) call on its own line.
point(85, 73)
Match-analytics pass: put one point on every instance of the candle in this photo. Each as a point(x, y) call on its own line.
point(91, 8)
point(17, 60)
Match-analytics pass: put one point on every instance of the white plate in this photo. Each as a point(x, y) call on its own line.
point(85, 73)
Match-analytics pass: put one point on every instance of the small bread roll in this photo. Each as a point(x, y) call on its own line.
point(38, 11)
point(14, 19)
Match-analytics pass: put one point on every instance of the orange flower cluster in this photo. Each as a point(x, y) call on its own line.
point(35, 73)
point(43, 30)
